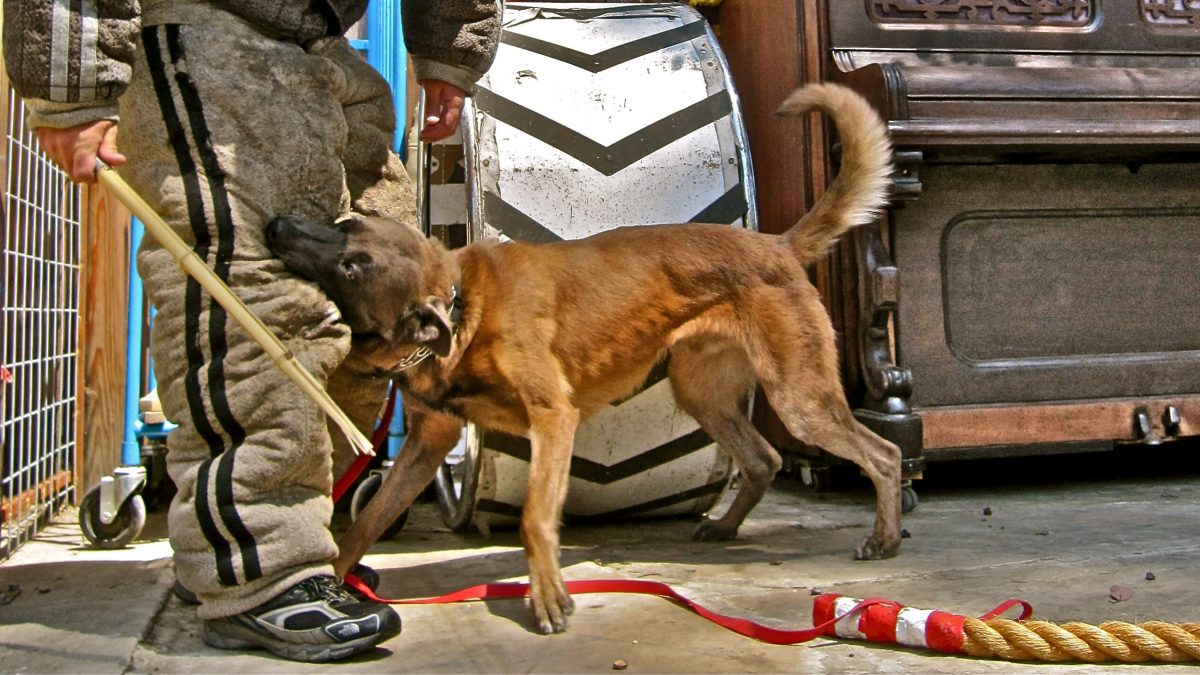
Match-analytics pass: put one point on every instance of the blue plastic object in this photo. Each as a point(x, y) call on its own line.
point(130, 450)
point(135, 428)
point(385, 51)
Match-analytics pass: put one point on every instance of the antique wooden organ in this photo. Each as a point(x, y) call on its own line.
point(1033, 287)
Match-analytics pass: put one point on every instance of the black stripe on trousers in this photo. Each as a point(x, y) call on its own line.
point(218, 320)
point(194, 305)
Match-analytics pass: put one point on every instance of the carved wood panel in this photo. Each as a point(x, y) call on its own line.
point(985, 13)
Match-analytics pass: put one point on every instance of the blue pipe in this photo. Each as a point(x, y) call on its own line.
point(395, 439)
point(131, 454)
point(387, 53)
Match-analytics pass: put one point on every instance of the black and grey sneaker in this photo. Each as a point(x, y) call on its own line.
point(316, 621)
point(368, 576)
point(184, 593)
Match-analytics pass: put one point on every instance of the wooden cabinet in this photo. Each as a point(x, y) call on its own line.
point(1031, 289)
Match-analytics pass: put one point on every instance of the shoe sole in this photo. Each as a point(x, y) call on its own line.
point(227, 635)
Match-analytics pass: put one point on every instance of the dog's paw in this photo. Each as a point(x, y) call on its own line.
point(871, 549)
point(712, 530)
point(551, 606)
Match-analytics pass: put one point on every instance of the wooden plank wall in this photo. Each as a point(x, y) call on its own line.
point(103, 290)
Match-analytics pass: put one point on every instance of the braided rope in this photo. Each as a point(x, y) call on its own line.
point(1110, 641)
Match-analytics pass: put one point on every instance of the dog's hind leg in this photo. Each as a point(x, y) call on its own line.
point(799, 376)
point(793, 356)
point(712, 381)
point(880, 461)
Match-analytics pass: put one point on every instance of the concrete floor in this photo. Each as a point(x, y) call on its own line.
point(1062, 530)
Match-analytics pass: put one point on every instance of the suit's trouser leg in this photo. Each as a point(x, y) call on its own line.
point(225, 128)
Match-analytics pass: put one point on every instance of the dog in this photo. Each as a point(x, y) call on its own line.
point(530, 339)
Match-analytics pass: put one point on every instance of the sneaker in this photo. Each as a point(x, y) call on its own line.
point(367, 574)
point(184, 593)
point(315, 621)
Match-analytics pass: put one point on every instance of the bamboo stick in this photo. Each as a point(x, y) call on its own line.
point(194, 266)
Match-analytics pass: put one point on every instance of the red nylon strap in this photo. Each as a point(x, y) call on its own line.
point(1026, 609)
point(944, 632)
point(377, 440)
point(738, 625)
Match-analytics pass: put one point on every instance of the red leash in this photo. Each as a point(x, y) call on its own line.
point(377, 440)
point(508, 590)
point(741, 626)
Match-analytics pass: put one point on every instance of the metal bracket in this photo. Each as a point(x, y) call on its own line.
point(125, 482)
point(906, 178)
point(1143, 427)
point(1171, 421)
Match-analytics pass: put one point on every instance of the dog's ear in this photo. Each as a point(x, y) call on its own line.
point(433, 328)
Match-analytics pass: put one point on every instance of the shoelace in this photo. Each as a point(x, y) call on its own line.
point(328, 589)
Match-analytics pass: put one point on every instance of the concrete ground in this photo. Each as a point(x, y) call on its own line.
point(1061, 532)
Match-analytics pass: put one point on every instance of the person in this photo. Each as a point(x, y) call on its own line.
point(232, 112)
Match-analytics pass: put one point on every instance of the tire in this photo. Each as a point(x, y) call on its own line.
point(362, 496)
point(128, 524)
point(457, 480)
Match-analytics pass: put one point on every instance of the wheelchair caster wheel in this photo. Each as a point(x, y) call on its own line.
point(362, 496)
point(125, 527)
point(908, 499)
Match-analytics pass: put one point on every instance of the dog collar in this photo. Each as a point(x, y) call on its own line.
point(456, 307)
point(419, 354)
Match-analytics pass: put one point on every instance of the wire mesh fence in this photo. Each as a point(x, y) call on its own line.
point(39, 290)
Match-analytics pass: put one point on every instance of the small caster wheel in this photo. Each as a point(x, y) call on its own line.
point(908, 499)
point(362, 496)
point(125, 527)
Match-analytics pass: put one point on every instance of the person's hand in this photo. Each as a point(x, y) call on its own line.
point(75, 149)
point(443, 110)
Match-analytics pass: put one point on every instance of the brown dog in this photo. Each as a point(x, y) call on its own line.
point(529, 339)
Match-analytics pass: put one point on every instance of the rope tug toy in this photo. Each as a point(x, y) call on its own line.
point(992, 637)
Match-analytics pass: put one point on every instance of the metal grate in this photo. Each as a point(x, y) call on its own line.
point(39, 290)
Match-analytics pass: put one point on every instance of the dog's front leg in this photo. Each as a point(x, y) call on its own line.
point(432, 435)
point(552, 439)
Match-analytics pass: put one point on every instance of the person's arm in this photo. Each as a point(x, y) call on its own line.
point(69, 66)
point(453, 43)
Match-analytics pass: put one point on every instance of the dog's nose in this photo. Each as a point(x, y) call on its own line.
point(272, 231)
point(277, 226)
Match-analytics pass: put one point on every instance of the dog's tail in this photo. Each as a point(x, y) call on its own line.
point(860, 190)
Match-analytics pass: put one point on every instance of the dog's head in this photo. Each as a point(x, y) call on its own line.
point(387, 279)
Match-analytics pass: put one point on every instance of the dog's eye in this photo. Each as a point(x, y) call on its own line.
point(354, 264)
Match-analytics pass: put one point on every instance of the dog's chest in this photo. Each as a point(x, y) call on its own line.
point(489, 404)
